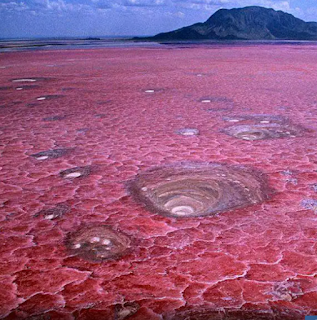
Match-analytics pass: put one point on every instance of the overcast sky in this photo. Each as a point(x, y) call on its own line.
point(58, 18)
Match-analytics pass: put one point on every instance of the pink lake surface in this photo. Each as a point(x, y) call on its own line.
point(114, 113)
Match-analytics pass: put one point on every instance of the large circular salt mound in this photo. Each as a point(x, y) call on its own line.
point(199, 189)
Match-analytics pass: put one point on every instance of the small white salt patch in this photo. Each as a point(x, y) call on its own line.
point(206, 101)
point(265, 121)
point(246, 138)
point(149, 91)
point(77, 246)
point(227, 298)
point(199, 75)
point(49, 217)
point(182, 210)
point(73, 175)
point(233, 120)
point(42, 158)
point(106, 242)
point(144, 189)
point(188, 133)
point(41, 98)
point(19, 89)
point(94, 239)
point(24, 80)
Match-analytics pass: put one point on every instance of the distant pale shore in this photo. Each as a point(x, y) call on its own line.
point(96, 43)
point(53, 44)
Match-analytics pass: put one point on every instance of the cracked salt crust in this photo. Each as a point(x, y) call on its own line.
point(174, 264)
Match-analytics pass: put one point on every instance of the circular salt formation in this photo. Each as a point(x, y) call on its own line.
point(193, 189)
point(42, 158)
point(50, 154)
point(24, 80)
point(30, 80)
point(263, 131)
point(49, 97)
point(188, 132)
point(97, 243)
point(75, 172)
point(56, 212)
point(72, 175)
point(251, 135)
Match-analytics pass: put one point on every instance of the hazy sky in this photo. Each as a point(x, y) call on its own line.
point(42, 18)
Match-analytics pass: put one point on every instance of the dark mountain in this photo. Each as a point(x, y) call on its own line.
point(249, 23)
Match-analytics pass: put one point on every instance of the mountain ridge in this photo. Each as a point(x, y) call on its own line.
point(248, 23)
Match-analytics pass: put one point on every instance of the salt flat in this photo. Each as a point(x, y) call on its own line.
point(159, 183)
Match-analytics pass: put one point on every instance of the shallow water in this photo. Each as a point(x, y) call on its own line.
point(79, 127)
point(7, 45)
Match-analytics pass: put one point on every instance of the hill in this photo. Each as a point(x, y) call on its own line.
point(249, 23)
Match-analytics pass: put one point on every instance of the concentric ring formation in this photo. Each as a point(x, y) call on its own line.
point(263, 131)
point(97, 243)
point(195, 189)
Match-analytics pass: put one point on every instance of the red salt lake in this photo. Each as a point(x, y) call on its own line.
point(159, 183)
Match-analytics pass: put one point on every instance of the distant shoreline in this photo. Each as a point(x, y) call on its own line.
point(65, 43)
point(99, 43)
